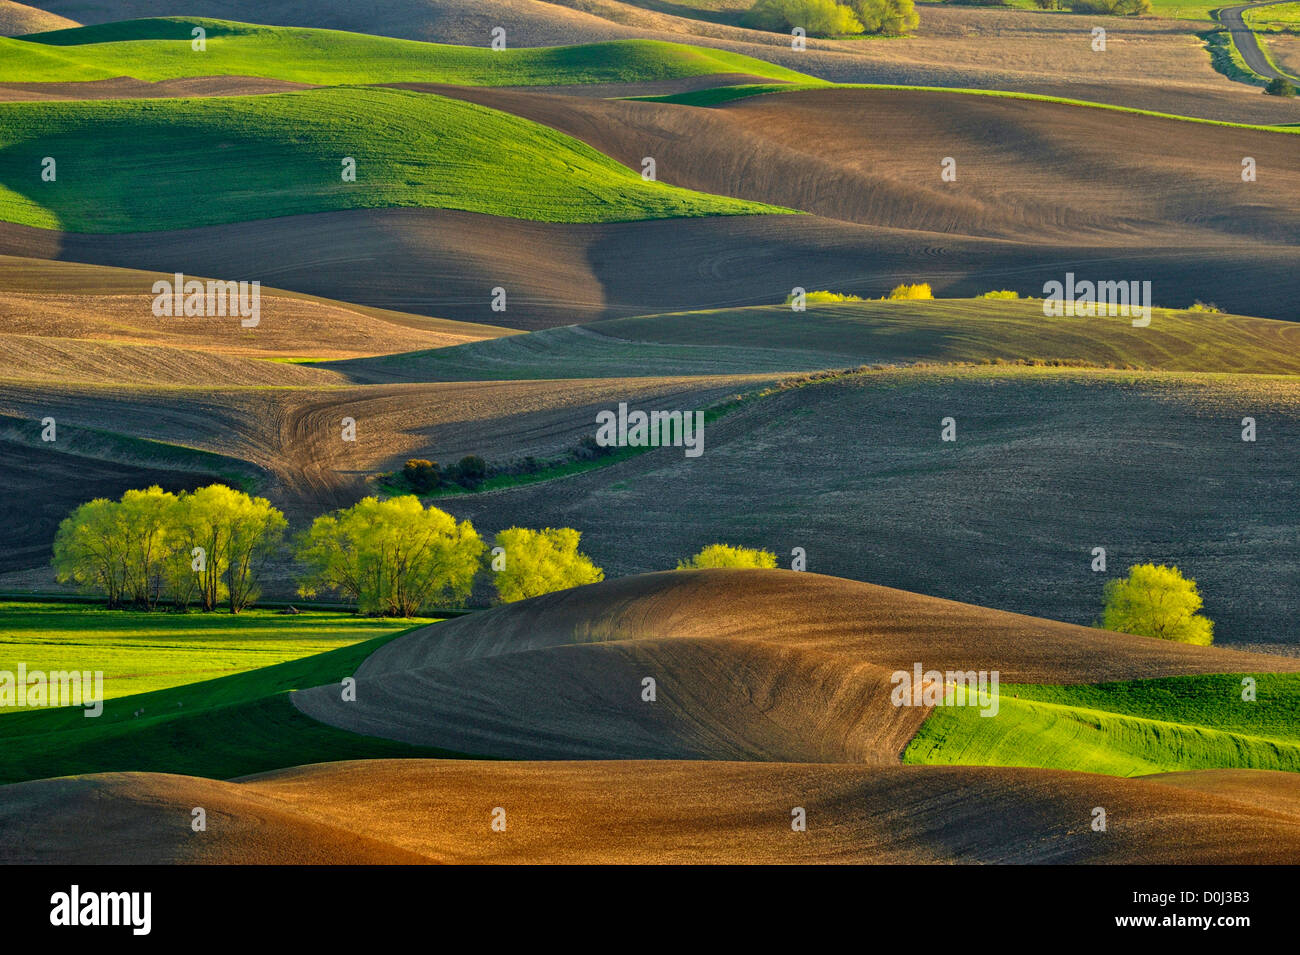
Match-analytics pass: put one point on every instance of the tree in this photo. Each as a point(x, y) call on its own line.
point(422, 476)
point(143, 521)
point(392, 557)
point(1280, 86)
point(539, 562)
point(817, 17)
point(724, 555)
point(252, 529)
point(1157, 602)
point(90, 550)
point(893, 17)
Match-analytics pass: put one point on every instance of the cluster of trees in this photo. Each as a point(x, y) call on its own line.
point(1114, 8)
point(423, 476)
point(833, 17)
point(392, 557)
point(152, 546)
point(396, 557)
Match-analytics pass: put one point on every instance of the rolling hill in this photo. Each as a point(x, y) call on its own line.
point(284, 154)
point(840, 335)
point(797, 671)
point(406, 811)
point(160, 49)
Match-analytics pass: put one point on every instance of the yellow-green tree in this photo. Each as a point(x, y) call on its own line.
point(393, 558)
point(90, 550)
point(1157, 601)
point(724, 555)
point(816, 17)
point(539, 562)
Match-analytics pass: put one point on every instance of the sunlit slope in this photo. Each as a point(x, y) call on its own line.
point(160, 49)
point(405, 811)
point(757, 665)
point(19, 18)
point(775, 338)
point(259, 157)
point(1126, 729)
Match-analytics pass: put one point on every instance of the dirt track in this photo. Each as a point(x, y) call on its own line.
point(404, 811)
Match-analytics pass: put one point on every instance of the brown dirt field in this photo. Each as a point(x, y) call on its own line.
point(71, 323)
point(17, 19)
point(42, 486)
point(527, 22)
point(126, 87)
point(56, 299)
point(765, 665)
point(62, 361)
point(294, 434)
point(1048, 465)
point(44, 482)
point(1285, 50)
point(873, 157)
point(637, 812)
point(145, 817)
point(1259, 789)
point(440, 262)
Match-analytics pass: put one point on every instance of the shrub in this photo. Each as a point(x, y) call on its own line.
point(1199, 306)
point(1280, 86)
point(1001, 293)
point(540, 562)
point(589, 449)
point(1157, 602)
point(823, 297)
point(892, 17)
point(422, 476)
point(393, 558)
point(724, 555)
point(921, 290)
point(469, 472)
point(817, 17)
point(1116, 8)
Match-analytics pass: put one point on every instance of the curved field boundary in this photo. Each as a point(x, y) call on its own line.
point(720, 96)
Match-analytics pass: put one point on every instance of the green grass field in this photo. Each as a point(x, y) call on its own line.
point(222, 160)
point(140, 652)
point(1283, 16)
point(1124, 729)
point(160, 49)
point(232, 726)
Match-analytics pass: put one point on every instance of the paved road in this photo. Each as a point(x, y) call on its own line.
point(1245, 39)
